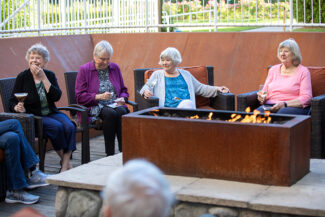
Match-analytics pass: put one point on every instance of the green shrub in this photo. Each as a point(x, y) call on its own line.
point(309, 17)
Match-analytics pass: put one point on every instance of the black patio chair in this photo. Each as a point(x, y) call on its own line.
point(317, 110)
point(223, 101)
point(6, 87)
point(27, 122)
point(70, 81)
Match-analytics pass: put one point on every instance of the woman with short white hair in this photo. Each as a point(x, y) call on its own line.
point(176, 87)
point(288, 84)
point(43, 92)
point(100, 87)
point(138, 189)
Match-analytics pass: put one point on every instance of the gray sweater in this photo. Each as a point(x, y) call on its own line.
point(156, 84)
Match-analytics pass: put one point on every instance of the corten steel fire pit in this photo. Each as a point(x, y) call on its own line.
point(274, 154)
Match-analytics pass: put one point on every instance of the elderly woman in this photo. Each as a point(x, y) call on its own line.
point(288, 85)
point(100, 87)
point(174, 86)
point(43, 91)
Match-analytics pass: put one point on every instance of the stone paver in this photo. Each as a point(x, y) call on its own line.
point(307, 197)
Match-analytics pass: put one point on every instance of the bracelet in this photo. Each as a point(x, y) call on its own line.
point(285, 104)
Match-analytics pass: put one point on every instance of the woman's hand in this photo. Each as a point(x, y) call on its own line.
point(260, 98)
point(38, 72)
point(20, 108)
point(223, 89)
point(277, 107)
point(104, 96)
point(147, 94)
point(120, 101)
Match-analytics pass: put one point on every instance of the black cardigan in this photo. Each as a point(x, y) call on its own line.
point(25, 84)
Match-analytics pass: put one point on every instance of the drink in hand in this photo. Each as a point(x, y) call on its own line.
point(21, 96)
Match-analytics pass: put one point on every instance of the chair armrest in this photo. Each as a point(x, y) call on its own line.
point(223, 101)
point(318, 126)
point(27, 123)
point(245, 100)
point(133, 104)
point(146, 103)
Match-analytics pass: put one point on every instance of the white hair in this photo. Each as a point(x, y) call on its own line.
point(171, 53)
point(40, 49)
point(139, 189)
point(103, 47)
point(292, 45)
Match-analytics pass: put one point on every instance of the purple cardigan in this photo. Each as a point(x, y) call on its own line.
point(87, 83)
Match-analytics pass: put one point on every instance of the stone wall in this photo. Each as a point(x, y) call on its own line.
point(86, 203)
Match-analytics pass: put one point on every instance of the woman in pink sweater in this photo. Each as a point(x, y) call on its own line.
point(288, 85)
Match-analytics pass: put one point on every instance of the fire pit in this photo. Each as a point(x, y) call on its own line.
point(276, 153)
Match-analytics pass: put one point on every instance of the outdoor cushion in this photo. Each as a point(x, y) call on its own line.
point(317, 80)
point(199, 72)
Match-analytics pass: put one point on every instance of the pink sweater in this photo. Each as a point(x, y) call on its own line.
point(282, 88)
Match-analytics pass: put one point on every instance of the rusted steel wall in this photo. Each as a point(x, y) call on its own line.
point(239, 59)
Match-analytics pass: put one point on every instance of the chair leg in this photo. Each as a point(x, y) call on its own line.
point(85, 149)
point(41, 149)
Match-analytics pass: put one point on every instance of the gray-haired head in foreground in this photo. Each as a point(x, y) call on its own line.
point(39, 49)
point(139, 189)
point(172, 54)
point(292, 45)
point(103, 47)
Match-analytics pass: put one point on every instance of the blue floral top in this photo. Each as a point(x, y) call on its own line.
point(176, 90)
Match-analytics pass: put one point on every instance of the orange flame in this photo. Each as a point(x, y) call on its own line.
point(254, 118)
point(210, 116)
point(194, 117)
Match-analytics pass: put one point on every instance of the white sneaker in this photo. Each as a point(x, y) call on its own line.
point(20, 196)
point(37, 179)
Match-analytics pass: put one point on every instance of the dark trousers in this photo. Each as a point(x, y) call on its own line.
point(112, 125)
point(288, 110)
point(61, 131)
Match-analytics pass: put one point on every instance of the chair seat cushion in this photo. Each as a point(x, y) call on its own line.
point(199, 72)
point(317, 80)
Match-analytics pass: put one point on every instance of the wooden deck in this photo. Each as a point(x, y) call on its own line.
point(47, 194)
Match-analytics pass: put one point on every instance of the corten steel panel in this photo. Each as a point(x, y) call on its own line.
point(258, 153)
point(239, 58)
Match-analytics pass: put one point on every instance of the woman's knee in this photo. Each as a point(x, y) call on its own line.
point(11, 139)
point(108, 113)
point(186, 103)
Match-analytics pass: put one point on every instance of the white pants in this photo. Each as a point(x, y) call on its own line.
point(186, 103)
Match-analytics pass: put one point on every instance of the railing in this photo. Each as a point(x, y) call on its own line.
point(51, 17)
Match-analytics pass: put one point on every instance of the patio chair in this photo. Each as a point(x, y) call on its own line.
point(70, 81)
point(317, 110)
point(204, 74)
point(27, 122)
point(6, 87)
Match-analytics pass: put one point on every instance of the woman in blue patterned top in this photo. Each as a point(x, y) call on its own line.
point(176, 87)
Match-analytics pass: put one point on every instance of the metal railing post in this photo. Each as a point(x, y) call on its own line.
point(85, 14)
point(291, 15)
point(147, 16)
point(215, 15)
point(39, 17)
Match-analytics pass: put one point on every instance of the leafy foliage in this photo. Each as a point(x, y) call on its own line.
point(312, 11)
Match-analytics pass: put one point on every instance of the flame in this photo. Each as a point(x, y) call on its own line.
point(210, 116)
point(194, 117)
point(254, 118)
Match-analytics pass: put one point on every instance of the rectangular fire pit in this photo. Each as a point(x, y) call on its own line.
point(274, 154)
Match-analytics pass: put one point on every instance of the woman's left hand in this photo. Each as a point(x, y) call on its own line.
point(277, 107)
point(120, 101)
point(223, 89)
point(38, 72)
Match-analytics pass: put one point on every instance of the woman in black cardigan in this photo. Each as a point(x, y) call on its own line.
point(43, 91)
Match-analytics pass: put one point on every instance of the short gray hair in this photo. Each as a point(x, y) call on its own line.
point(40, 49)
point(171, 53)
point(292, 45)
point(139, 189)
point(103, 47)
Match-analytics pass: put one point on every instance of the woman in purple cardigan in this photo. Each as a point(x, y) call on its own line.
point(100, 87)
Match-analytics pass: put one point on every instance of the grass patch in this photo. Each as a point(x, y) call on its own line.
point(220, 29)
point(319, 29)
